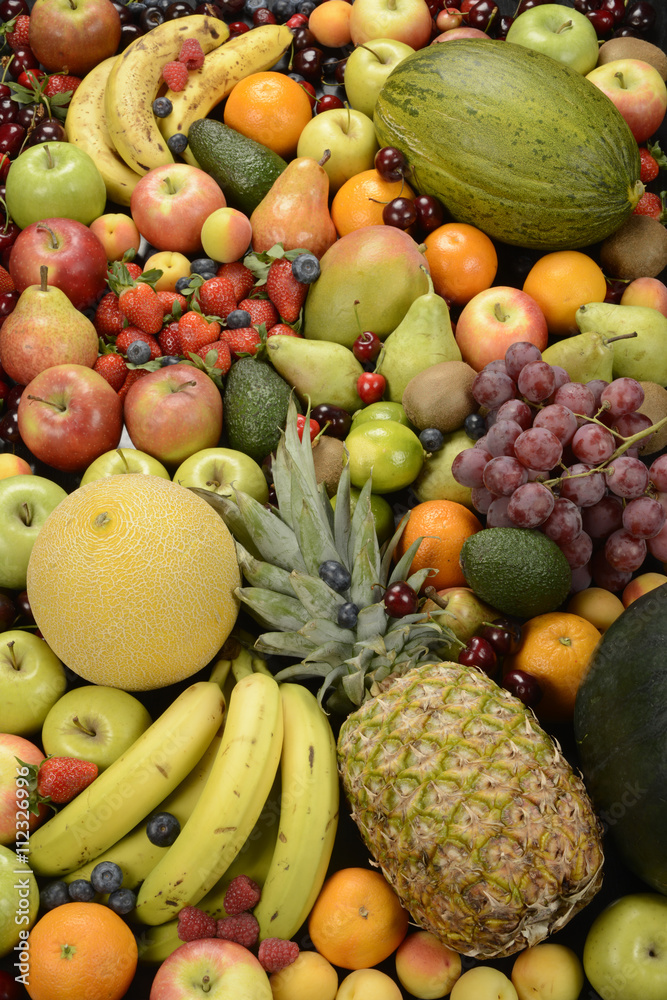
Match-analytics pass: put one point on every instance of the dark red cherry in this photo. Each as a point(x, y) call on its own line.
point(390, 163)
point(400, 600)
point(367, 346)
point(400, 212)
point(479, 653)
point(523, 686)
point(430, 213)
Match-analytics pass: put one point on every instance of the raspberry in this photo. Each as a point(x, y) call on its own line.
point(175, 75)
point(242, 894)
point(242, 928)
point(191, 54)
point(275, 954)
point(193, 923)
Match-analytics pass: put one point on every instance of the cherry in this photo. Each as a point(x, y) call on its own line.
point(297, 21)
point(523, 686)
point(390, 163)
point(327, 102)
point(7, 617)
point(24, 58)
point(10, 9)
point(367, 346)
point(479, 653)
point(335, 420)
point(615, 289)
point(371, 387)
point(616, 8)
point(400, 599)
point(263, 16)
point(430, 213)
point(308, 62)
point(602, 21)
point(236, 28)
point(503, 25)
point(400, 213)
point(9, 231)
point(313, 425)
point(8, 302)
point(303, 38)
point(23, 606)
point(129, 32)
point(529, 4)
point(482, 14)
point(9, 426)
point(639, 15)
point(448, 18)
point(13, 396)
point(9, 988)
point(11, 138)
point(50, 130)
point(9, 110)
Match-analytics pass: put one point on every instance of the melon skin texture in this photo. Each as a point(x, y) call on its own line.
point(133, 583)
point(512, 142)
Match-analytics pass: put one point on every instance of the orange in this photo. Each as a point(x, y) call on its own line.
point(555, 649)
point(360, 200)
point(357, 920)
point(562, 281)
point(445, 526)
point(271, 108)
point(81, 950)
point(463, 261)
point(330, 23)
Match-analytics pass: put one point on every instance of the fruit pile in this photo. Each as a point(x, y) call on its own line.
point(332, 464)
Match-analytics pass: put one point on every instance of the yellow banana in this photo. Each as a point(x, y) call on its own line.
point(86, 127)
point(308, 815)
point(134, 82)
point(230, 805)
point(131, 787)
point(252, 52)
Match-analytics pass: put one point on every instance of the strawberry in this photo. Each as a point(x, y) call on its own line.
point(170, 300)
point(169, 340)
point(285, 292)
point(6, 281)
point(261, 311)
point(18, 36)
point(134, 270)
point(282, 329)
point(137, 299)
point(649, 167)
point(58, 780)
point(216, 355)
point(61, 83)
point(112, 367)
point(240, 276)
point(217, 297)
point(195, 331)
point(243, 340)
point(131, 333)
point(132, 376)
point(650, 204)
point(108, 320)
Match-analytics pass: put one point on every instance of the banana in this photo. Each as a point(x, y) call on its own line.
point(134, 82)
point(252, 52)
point(131, 787)
point(85, 126)
point(237, 788)
point(308, 815)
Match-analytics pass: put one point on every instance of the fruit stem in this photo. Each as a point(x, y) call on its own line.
point(565, 26)
point(84, 729)
point(619, 77)
point(25, 510)
point(10, 646)
point(184, 385)
point(58, 406)
point(43, 274)
point(500, 313)
point(54, 238)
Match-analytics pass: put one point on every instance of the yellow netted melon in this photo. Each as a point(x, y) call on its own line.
point(131, 581)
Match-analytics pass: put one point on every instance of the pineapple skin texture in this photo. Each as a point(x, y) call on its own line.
point(470, 809)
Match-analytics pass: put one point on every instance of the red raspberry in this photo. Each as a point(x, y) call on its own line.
point(275, 954)
point(191, 54)
point(242, 894)
point(175, 75)
point(261, 311)
point(240, 276)
point(242, 928)
point(193, 924)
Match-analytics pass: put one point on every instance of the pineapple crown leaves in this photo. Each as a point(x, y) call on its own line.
point(259, 263)
point(119, 278)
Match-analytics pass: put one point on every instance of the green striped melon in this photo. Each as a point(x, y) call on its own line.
point(511, 141)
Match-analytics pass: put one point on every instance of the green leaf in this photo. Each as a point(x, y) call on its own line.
point(323, 630)
point(263, 574)
point(284, 644)
point(275, 541)
point(372, 621)
point(231, 515)
point(319, 600)
point(277, 610)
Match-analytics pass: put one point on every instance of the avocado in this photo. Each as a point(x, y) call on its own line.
point(519, 571)
point(254, 407)
point(244, 169)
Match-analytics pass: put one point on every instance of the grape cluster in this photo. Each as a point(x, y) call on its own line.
point(562, 457)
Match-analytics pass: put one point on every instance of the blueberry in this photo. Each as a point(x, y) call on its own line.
point(306, 268)
point(347, 615)
point(203, 265)
point(177, 142)
point(283, 10)
point(335, 575)
point(305, 7)
point(81, 891)
point(170, 359)
point(121, 901)
point(250, 6)
point(54, 894)
point(162, 107)
point(162, 829)
point(138, 352)
point(238, 318)
point(432, 439)
point(475, 426)
point(182, 284)
point(106, 876)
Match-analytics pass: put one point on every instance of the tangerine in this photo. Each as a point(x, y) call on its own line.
point(562, 281)
point(444, 525)
point(270, 108)
point(361, 199)
point(462, 259)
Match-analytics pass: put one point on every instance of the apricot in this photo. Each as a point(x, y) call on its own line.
point(330, 23)
point(368, 984)
point(641, 585)
point(310, 975)
point(425, 966)
point(547, 972)
point(598, 606)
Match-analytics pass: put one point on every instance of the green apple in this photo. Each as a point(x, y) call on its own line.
point(32, 679)
point(25, 504)
point(119, 461)
point(557, 31)
point(349, 136)
point(19, 903)
point(95, 723)
point(55, 179)
point(368, 66)
point(221, 470)
point(625, 952)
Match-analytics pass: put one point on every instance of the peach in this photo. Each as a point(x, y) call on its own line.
point(425, 966)
point(173, 265)
point(12, 465)
point(463, 32)
point(226, 234)
point(598, 606)
point(649, 292)
point(547, 972)
point(117, 233)
point(310, 975)
point(368, 984)
point(330, 23)
point(641, 585)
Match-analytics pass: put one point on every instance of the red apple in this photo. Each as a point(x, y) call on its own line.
point(494, 319)
point(73, 36)
point(76, 259)
point(171, 203)
point(637, 90)
point(68, 416)
point(117, 233)
point(213, 968)
point(407, 21)
point(463, 32)
point(173, 413)
point(12, 786)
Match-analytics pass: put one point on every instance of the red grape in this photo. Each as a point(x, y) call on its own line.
point(623, 395)
point(577, 550)
point(603, 517)
point(538, 448)
point(530, 505)
point(627, 477)
point(503, 474)
point(593, 444)
point(577, 397)
point(491, 388)
point(497, 516)
point(468, 466)
point(536, 381)
point(658, 473)
point(501, 436)
point(581, 485)
point(643, 517)
point(558, 419)
point(519, 354)
point(517, 410)
point(564, 522)
point(624, 552)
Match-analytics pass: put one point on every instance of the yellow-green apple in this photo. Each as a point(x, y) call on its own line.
point(76, 34)
point(349, 135)
point(120, 461)
point(19, 903)
point(222, 471)
point(76, 260)
point(69, 415)
point(32, 679)
point(367, 67)
point(408, 21)
point(14, 788)
point(173, 265)
point(25, 503)
point(54, 179)
point(13, 465)
point(170, 203)
point(173, 413)
point(558, 31)
point(625, 951)
point(214, 967)
point(638, 91)
point(94, 722)
point(548, 971)
point(649, 292)
point(425, 966)
point(117, 233)
point(464, 31)
point(226, 235)
point(494, 319)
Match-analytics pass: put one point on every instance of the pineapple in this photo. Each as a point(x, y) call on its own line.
point(465, 803)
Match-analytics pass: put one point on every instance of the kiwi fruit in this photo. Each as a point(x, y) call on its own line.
point(633, 48)
point(655, 407)
point(638, 249)
point(440, 396)
point(329, 459)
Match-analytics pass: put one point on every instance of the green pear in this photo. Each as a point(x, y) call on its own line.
point(643, 357)
point(584, 357)
point(295, 210)
point(368, 280)
point(435, 481)
point(424, 337)
point(318, 371)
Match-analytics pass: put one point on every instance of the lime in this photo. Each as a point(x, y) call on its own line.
point(388, 449)
point(384, 410)
point(381, 510)
point(435, 481)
